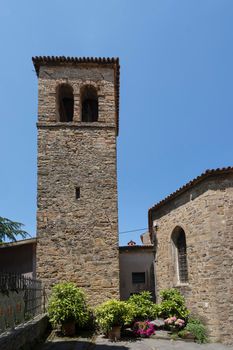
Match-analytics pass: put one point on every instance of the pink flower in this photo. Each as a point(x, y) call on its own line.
point(144, 328)
point(174, 322)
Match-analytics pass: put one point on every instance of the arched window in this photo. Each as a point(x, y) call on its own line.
point(65, 103)
point(180, 256)
point(89, 104)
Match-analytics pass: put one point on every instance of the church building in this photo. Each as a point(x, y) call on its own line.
point(193, 231)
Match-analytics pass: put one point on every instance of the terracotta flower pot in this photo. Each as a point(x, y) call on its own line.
point(115, 333)
point(68, 328)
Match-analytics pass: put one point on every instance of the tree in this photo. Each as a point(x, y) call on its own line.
point(10, 230)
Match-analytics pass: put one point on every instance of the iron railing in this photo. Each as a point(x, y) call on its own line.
point(21, 299)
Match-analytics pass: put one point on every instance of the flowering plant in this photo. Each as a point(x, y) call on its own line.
point(143, 329)
point(174, 322)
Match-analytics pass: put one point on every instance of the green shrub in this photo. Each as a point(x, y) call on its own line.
point(197, 328)
point(113, 313)
point(171, 294)
point(173, 304)
point(183, 333)
point(143, 306)
point(67, 303)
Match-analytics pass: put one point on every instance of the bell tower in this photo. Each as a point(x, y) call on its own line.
point(77, 215)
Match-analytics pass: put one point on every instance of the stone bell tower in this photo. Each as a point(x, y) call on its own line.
point(77, 217)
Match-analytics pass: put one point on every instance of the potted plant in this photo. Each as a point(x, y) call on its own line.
point(173, 304)
point(143, 305)
point(67, 307)
point(112, 315)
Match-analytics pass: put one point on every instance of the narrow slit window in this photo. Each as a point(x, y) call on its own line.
point(182, 258)
point(77, 192)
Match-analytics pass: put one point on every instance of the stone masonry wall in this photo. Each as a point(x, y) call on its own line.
point(78, 238)
point(205, 212)
point(26, 335)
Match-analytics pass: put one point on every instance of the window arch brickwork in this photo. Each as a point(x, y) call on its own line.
point(179, 242)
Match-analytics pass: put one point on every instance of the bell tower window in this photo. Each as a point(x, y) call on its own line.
point(89, 104)
point(65, 102)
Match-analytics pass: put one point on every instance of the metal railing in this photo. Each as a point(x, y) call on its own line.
point(21, 299)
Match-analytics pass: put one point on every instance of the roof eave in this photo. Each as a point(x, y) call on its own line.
point(208, 173)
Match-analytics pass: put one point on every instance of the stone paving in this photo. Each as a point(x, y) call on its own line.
point(101, 343)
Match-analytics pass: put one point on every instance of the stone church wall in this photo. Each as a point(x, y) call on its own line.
point(205, 212)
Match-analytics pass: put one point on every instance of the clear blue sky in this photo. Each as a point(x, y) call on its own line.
point(176, 105)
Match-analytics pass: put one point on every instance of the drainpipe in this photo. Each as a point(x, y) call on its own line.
point(155, 244)
point(155, 239)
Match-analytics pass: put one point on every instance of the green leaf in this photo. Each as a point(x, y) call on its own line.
point(10, 230)
point(67, 302)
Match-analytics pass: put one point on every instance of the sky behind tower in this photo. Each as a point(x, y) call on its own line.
point(176, 91)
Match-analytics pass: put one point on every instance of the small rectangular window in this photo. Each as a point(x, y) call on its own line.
point(138, 277)
point(77, 192)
